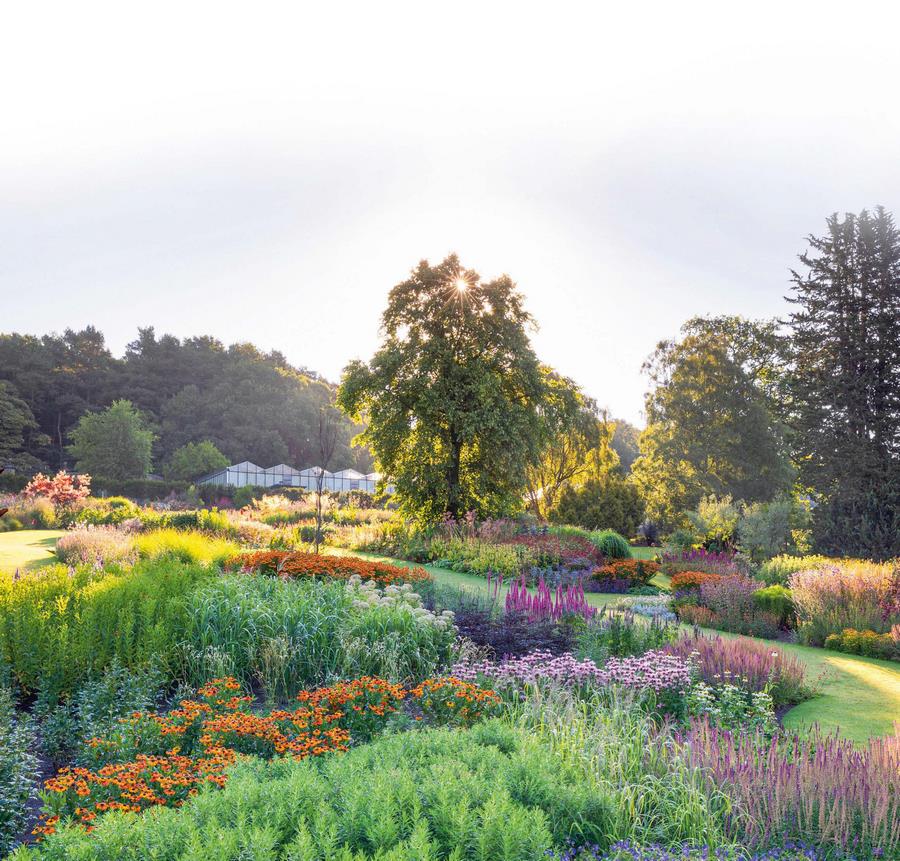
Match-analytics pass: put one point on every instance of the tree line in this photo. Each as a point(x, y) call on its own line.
point(175, 401)
point(462, 414)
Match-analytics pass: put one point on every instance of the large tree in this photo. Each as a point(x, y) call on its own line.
point(17, 426)
point(844, 382)
point(452, 397)
point(712, 427)
point(114, 443)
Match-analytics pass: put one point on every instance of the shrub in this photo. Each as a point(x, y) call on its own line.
point(778, 569)
point(817, 789)
point(300, 565)
point(613, 503)
point(732, 600)
point(512, 633)
point(766, 529)
point(61, 490)
point(777, 601)
point(450, 701)
point(29, 513)
point(694, 614)
point(620, 575)
point(846, 595)
point(187, 547)
point(691, 581)
point(755, 666)
point(866, 643)
point(572, 551)
point(96, 546)
point(193, 460)
point(18, 771)
point(611, 544)
point(104, 512)
point(489, 794)
point(715, 523)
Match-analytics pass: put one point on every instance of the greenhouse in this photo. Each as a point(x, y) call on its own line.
point(247, 474)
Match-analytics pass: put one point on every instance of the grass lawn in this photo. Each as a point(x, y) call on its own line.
point(27, 548)
point(858, 696)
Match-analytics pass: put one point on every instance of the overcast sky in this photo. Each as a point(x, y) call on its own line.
point(265, 172)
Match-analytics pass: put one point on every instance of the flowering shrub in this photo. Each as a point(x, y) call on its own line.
point(544, 604)
point(694, 614)
point(817, 789)
point(734, 607)
point(632, 572)
point(62, 490)
point(295, 565)
point(684, 581)
point(850, 594)
point(756, 666)
point(365, 704)
point(451, 701)
point(866, 643)
point(367, 596)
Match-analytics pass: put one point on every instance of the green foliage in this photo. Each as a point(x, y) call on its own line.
point(59, 628)
point(867, 643)
point(188, 547)
point(625, 442)
point(610, 544)
point(18, 770)
point(569, 430)
point(474, 556)
point(778, 569)
point(715, 522)
point(767, 529)
point(193, 460)
point(711, 418)
point(452, 398)
point(291, 635)
point(487, 794)
point(114, 443)
point(611, 503)
point(777, 601)
point(16, 423)
point(111, 510)
point(96, 709)
point(619, 635)
point(844, 384)
point(251, 405)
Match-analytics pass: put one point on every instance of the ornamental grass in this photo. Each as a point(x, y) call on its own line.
point(293, 565)
point(819, 789)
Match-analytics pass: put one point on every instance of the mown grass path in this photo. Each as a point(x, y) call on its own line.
point(859, 696)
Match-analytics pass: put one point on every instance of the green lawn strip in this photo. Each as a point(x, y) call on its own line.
point(28, 548)
point(858, 696)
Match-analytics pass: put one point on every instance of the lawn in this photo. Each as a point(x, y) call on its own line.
point(858, 696)
point(27, 548)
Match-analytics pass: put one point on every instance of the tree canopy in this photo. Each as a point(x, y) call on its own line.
point(712, 426)
point(452, 398)
point(194, 459)
point(844, 382)
point(114, 443)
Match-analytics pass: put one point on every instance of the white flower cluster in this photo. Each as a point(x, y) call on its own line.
point(366, 595)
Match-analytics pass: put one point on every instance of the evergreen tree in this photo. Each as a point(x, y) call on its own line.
point(844, 384)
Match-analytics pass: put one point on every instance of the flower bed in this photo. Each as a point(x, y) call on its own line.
point(168, 757)
point(291, 565)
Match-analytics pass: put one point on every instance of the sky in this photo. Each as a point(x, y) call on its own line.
point(267, 172)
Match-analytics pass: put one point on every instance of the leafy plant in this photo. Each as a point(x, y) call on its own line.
point(18, 770)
